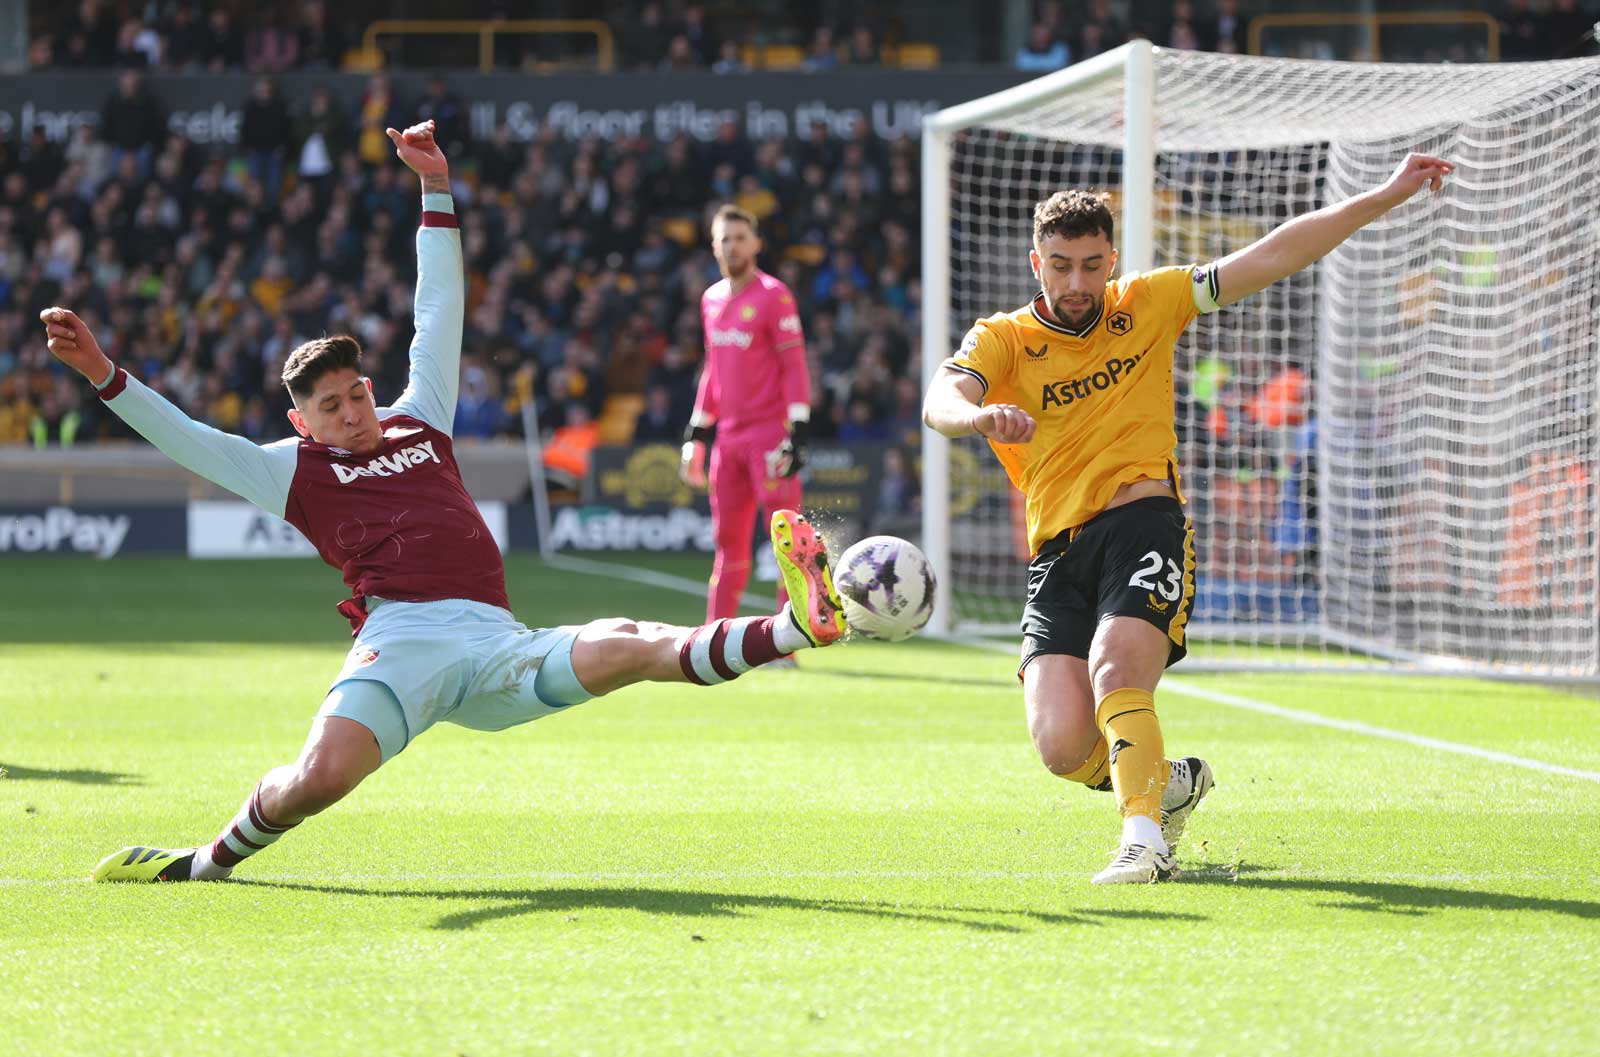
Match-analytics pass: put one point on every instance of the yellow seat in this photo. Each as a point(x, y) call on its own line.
point(781, 57)
point(618, 416)
point(361, 60)
point(681, 230)
point(807, 253)
point(915, 55)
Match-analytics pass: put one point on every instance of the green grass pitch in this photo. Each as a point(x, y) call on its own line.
point(860, 857)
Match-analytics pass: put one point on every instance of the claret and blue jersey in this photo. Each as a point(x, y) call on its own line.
point(397, 522)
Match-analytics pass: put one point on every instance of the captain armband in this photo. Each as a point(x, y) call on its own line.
point(1204, 284)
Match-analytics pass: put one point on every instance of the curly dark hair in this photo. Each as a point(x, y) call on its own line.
point(1072, 215)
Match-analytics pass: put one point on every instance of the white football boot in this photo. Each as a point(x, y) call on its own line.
point(1137, 864)
point(1188, 784)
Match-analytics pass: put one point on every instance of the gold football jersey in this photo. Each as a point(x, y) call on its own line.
point(1101, 393)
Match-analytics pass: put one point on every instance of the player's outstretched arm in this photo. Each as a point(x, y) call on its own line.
point(1306, 239)
point(253, 472)
point(953, 407)
point(441, 297)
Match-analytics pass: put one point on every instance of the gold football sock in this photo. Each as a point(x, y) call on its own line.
point(1138, 759)
point(1096, 771)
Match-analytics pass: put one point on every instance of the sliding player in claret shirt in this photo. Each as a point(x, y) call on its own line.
point(1074, 393)
point(378, 492)
point(755, 394)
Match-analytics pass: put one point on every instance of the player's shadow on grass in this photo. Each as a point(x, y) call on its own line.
point(1386, 897)
point(514, 902)
point(10, 772)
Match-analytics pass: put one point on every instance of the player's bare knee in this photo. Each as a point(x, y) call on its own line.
point(1108, 674)
point(609, 627)
point(610, 654)
point(1063, 747)
point(1116, 669)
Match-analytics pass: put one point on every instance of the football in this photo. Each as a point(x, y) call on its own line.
point(887, 587)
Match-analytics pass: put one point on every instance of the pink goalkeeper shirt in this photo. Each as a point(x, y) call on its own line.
point(755, 368)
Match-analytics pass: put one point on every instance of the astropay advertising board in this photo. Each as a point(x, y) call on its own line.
point(102, 532)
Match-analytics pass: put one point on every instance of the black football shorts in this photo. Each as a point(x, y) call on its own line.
point(1135, 560)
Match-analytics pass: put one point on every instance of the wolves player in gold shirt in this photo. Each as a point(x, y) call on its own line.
point(1074, 393)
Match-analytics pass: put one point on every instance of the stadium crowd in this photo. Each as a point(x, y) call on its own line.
point(204, 266)
point(274, 36)
point(585, 260)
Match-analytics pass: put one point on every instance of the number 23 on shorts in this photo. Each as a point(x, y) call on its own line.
point(1150, 568)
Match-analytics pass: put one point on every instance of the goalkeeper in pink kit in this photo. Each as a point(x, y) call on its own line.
point(755, 393)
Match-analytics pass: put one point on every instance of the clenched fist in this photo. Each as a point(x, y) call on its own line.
point(71, 342)
point(1004, 423)
point(421, 154)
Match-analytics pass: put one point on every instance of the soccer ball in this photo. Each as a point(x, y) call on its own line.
point(887, 588)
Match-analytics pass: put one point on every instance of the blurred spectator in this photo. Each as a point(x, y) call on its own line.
point(1043, 52)
point(898, 508)
point(221, 43)
point(703, 43)
point(657, 423)
point(89, 36)
point(1099, 30)
point(321, 44)
point(321, 134)
point(479, 414)
point(1223, 30)
point(272, 45)
point(60, 416)
point(132, 120)
point(641, 40)
point(183, 38)
point(266, 133)
point(862, 48)
point(138, 45)
point(680, 55)
point(379, 110)
point(1182, 35)
point(41, 160)
point(1091, 40)
point(568, 452)
point(821, 56)
point(444, 108)
point(729, 59)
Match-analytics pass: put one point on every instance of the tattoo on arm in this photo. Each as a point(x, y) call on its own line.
point(435, 184)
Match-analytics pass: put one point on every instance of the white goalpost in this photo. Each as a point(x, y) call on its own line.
point(1389, 458)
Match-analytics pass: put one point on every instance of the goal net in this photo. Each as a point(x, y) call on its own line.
point(1390, 457)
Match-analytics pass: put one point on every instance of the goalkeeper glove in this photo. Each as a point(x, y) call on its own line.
point(692, 463)
point(790, 455)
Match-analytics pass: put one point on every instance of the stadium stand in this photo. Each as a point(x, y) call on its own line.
point(205, 264)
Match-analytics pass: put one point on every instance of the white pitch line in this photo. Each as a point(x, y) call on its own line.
point(1350, 726)
point(1356, 727)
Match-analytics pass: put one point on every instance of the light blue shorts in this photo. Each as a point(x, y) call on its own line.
point(454, 661)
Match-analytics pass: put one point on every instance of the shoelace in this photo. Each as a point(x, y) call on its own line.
point(1130, 855)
